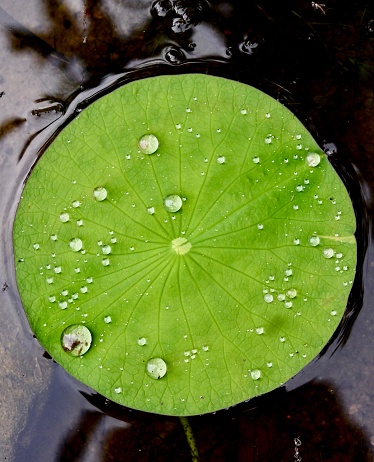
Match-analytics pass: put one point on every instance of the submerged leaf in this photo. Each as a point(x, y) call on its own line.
point(215, 256)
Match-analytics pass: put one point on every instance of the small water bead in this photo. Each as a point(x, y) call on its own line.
point(36, 246)
point(260, 330)
point(256, 374)
point(256, 160)
point(54, 237)
point(148, 144)
point(295, 207)
point(64, 217)
point(269, 364)
point(105, 261)
point(74, 296)
point(288, 304)
point(333, 313)
point(221, 160)
point(299, 188)
point(313, 159)
point(76, 244)
point(172, 203)
point(328, 253)
point(106, 249)
point(296, 241)
point(84, 289)
point(339, 255)
point(291, 293)
point(52, 298)
point(77, 270)
point(79, 222)
point(89, 280)
point(243, 111)
point(49, 280)
point(76, 340)
point(142, 341)
point(314, 241)
point(260, 226)
point(118, 390)
point(100, 193)
point(151, 210)
point(268, 298)
point(57, 269)
point(113, 240)
point(268, 140)
point(107, 319)
point(63, 305)
point(156, 368)
point(205, 348)
point(76, 204)
point(282, 339)
point(299, 147)
point(64, 292)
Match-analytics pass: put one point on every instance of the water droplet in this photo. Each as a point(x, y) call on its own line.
point(54, 237)
point(268, 115)
point(105, 262)
point(260, 226)
point(288, 272)
point(282, 339)
point(296, 241)
point(260, 330)
point(313, 159)
point(107, 319)
point(64, 217)
point(172, 203)
point(291, 293)
point(63, 305)
point(77, 270)
point(52, 298)
point(255, 374)
point(256, 160)
point(36, 246)
point(156, 368)
point(76, 204)
point(76, 244)
point(151, 210)
point(295, 207)
point(333, 313)
point(269, 364)
point(76, 339)
point(299, 188)
point(288, 304)
point(221, 160)
point(84, 289)
point(89, 280)
point(113, 240)
point(100, 193)
point(142, 341)
point(243, 111)
point(268, 298)
point(328, 253)
point(79, 222)
point(148, 144)
point(268, 140)
point(49, 280)
point(314, 241)
point(118, 390)
point(57, 269)
point(106, 249)
point(205, 348)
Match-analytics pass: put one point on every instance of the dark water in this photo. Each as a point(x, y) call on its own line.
point(58, 56)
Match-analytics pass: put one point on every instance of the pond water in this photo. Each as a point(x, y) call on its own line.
point(56, 57)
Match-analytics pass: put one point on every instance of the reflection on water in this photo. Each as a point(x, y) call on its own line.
point(61, 55)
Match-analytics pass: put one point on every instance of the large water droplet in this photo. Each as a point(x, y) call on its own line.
point(100, 193)
point(314, 241)
point(76, 244)
point(148, 144)
point(64, 217)
point(313, 159)
point(106, 249)
point(255, 374)
point(328, 253)
point(156, 368)
point(268, 298)
point(173, 203)
point(76, 339)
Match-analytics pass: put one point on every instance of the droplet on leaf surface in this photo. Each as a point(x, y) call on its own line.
point(173, 203)
point(148, 144)
point(156, 368)
point(76, 340)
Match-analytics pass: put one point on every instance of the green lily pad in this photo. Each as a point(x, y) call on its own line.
point(196, 230)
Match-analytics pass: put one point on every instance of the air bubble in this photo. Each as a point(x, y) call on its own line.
point(148, 144)
point(314, 241)
point(156, 368)
point(64, 217)
point(313, 159)
point(76, 244)
point(100, 193)
point(172, 203)
point(328, 253)
point(76, 340)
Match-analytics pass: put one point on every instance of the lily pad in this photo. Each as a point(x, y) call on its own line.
point(195, 228)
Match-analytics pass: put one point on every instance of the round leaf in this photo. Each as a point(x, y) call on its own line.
point(198, 232)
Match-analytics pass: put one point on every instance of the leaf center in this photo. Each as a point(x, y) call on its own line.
point(181, 246)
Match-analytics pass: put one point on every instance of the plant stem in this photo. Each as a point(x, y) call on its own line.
point(190, 438)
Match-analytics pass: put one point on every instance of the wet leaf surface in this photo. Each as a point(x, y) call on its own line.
point(209, 270)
